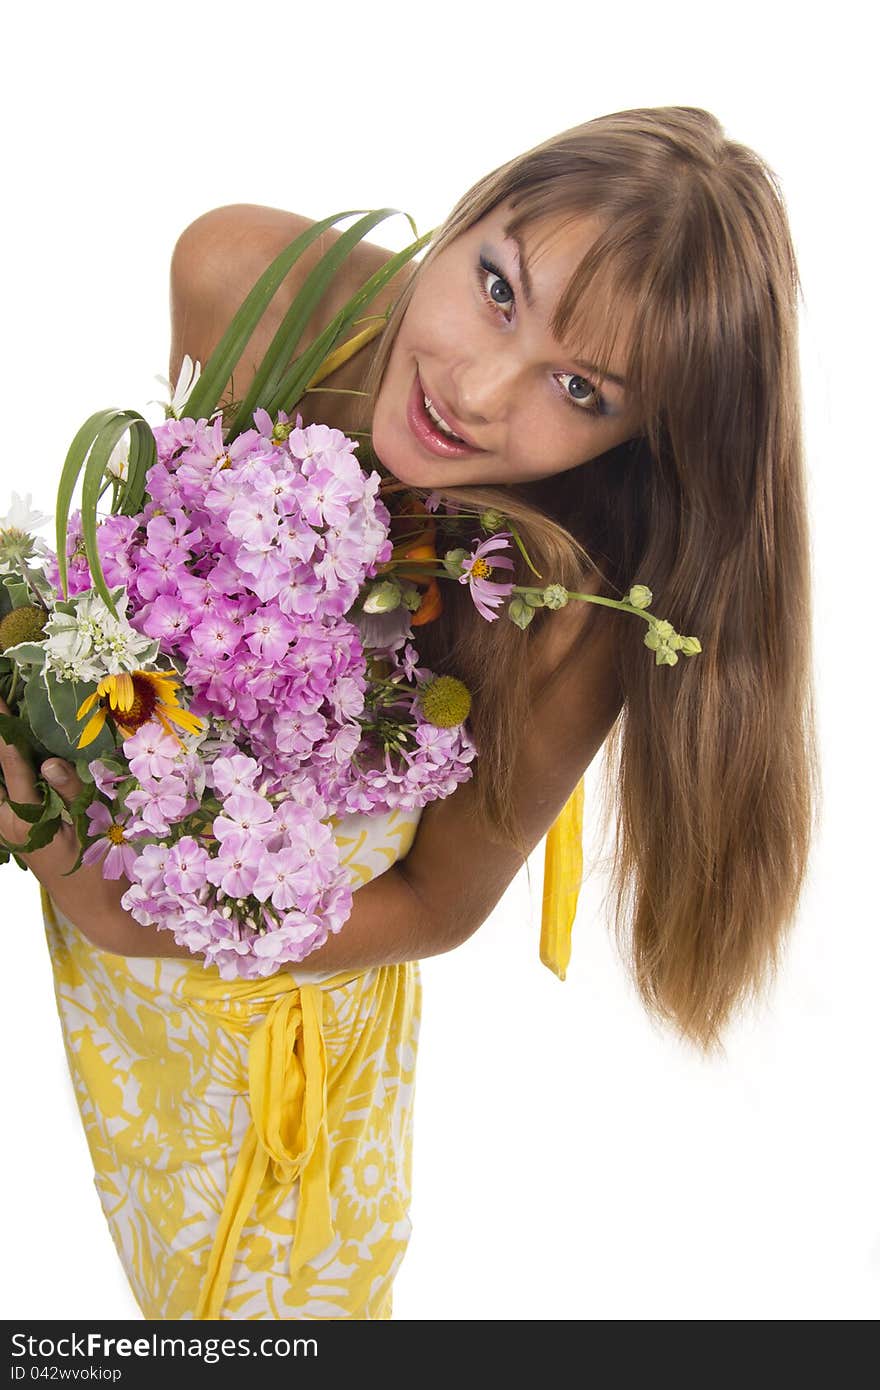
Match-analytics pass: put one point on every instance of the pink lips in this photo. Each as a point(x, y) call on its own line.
point(427, 433)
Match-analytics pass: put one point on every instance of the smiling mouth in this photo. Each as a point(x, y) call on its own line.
point(429, 427)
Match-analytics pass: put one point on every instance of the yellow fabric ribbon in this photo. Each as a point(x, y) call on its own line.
point(287, 1073)
point(563, 870)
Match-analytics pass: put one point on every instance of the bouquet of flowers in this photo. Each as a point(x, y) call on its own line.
point(228, 654)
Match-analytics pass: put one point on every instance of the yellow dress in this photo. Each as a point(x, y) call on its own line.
point(251, 1139)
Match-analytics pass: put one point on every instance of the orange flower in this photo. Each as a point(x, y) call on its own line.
point(431, 605)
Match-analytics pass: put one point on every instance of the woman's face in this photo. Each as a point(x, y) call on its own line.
point(485, 357)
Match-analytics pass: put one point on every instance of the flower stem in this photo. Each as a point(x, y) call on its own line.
point(594, 598)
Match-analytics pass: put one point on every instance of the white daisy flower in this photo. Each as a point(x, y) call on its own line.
point(179, 395)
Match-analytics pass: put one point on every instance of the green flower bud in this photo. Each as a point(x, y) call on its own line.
point(533, 600)
point(666, 657)
point(519, 612)
point(652, 639)
point(383, 597)
point(555, 596)
point(640, 596)
point(690, 646)
point(453, 562)
point(411, 597)
point(664, 630)
point(492, 521)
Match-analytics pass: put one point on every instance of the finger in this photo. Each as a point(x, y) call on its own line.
point(63, 777)
point(17, 771)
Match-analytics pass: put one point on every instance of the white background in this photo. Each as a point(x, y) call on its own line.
point(571, 1161)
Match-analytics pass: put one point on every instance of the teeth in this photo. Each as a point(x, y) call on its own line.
point(440, 422)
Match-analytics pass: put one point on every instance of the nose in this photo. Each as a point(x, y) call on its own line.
point(484, 388)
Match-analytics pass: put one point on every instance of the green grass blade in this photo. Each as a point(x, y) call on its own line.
point(142, 456)
point(219, 366)
point(300, 372)
point(73, 463)
point(93, 478)
point(271, 370)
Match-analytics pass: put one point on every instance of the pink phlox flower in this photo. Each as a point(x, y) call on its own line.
point(299, 732)
point(234, 870)
point(292, 940)
point(165, 486)
point(269, 633)
point(317, 439)
point(151, 752)
point(435, 743)
point(267, 571)
point(219, 634)
point(233, 773)
point(185, 868)
point(104, 779)
point(210, 677)
point(169, 537)
point(149, 870)
point(245, 812)
point(300, 592)
point(409, 664)
point(324, 498)
point(255, 521)
point(347, 697)
point(155, 575)
point(487, 594)
point(297, 540)
point(161, 803)
point(169, 619)
point(114, 846)
point(276, 877)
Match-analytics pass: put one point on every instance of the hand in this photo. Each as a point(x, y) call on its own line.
point(86, 896)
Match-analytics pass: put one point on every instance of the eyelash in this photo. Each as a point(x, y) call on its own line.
point(597, 405)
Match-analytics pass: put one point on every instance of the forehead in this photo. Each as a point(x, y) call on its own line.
point(546, 252)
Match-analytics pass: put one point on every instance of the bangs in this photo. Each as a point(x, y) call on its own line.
point(612, 295)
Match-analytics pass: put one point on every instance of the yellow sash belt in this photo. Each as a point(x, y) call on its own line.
point(287, 1067)
point(563, 870)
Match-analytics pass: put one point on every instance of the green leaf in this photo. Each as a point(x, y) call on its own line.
point(267, 384)
point(142, 456)
point(44, 819)
point(18, 591)
point(94, 477)
point(15, 731)
point(217, 370)
point(519, 612)
point(65, 698)
point(27, 653)
point(299, 374)
point(41, 718)
point(73, 463)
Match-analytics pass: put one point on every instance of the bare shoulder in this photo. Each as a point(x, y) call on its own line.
point(219, 257)
point(576, 700)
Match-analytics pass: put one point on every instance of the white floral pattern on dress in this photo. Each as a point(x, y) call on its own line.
point(158, 1052)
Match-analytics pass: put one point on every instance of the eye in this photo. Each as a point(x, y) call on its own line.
point(486, 269)
point(582, 393)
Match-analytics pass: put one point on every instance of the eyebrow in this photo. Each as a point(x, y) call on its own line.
point(526, 282)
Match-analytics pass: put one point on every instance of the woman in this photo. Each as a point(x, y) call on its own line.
point(601, 345)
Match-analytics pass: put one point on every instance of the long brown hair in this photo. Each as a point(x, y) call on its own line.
point(711, 775)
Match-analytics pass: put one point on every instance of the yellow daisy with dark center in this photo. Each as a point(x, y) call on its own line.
point(131, 699)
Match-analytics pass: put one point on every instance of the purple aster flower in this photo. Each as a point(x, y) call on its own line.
point(114, 847)
point(486, 593)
